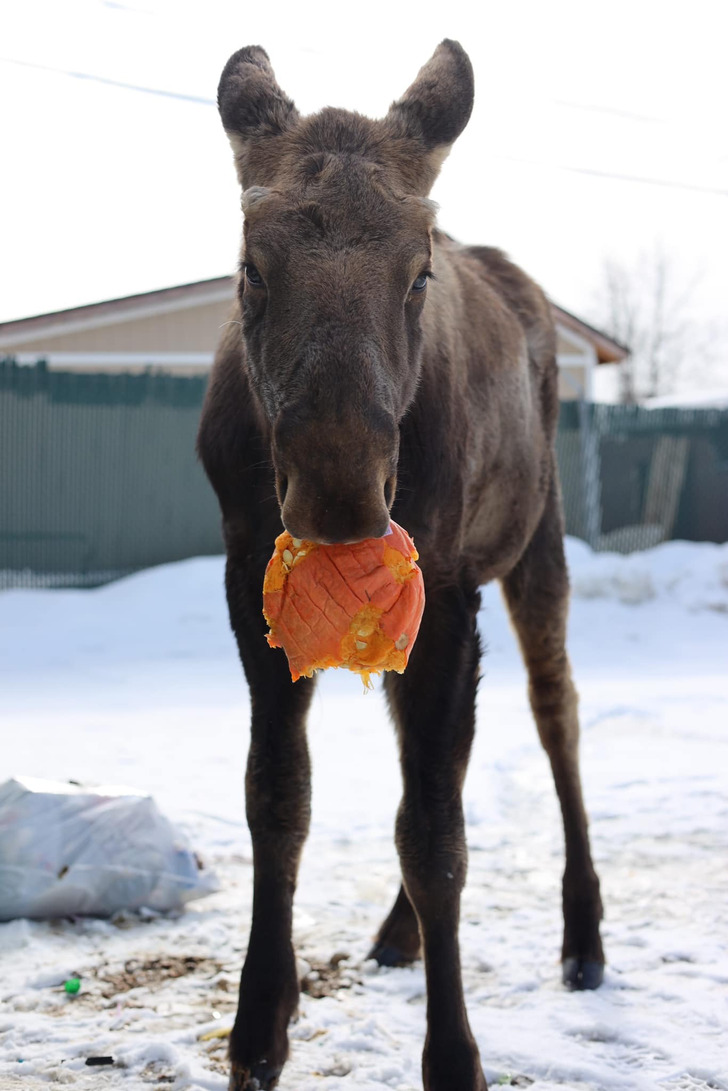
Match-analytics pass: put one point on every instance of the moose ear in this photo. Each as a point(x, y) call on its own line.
point(437, 107)
point(252, 107)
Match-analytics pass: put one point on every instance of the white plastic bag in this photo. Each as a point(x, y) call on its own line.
point(68, 850)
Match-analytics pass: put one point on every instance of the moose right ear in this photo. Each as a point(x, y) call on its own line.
point(436, 108)
point(253, 108)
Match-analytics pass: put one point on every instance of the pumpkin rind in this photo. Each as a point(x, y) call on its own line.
point(356, 606)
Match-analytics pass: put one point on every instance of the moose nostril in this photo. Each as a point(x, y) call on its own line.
point(282, 487)
point(389, 488)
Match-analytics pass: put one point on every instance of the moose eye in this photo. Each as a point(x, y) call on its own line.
point(420, 284)
point(253, 276)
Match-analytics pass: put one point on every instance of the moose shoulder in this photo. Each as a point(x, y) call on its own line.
point(375, 367)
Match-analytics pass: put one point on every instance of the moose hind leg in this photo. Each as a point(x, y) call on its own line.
point(433, 704)
point(398, 940)
point(537, 592)
point(277, 789)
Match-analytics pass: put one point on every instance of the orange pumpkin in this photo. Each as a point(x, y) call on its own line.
point(355, 606)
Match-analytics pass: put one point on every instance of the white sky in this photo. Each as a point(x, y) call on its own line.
point(108, 191)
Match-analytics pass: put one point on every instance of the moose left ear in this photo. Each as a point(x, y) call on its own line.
point(437, 107)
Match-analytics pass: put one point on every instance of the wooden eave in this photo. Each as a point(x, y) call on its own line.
point(607, 349)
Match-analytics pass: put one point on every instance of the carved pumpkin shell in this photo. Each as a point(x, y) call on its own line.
point(355, 606)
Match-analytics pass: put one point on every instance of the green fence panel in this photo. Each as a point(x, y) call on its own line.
point(99, 477)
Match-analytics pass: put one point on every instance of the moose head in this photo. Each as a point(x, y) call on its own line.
point(335, 265)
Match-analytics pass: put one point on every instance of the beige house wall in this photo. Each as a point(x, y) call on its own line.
point(565, 344)
point(192, 329)
point(572, 381)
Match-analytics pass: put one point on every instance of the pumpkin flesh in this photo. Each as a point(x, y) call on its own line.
point(355, 606)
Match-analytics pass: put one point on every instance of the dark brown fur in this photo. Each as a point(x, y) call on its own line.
point(351, 391)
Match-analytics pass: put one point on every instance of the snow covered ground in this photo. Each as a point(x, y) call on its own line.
point(138, 683)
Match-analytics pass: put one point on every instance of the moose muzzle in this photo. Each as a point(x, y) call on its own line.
point(335, 478)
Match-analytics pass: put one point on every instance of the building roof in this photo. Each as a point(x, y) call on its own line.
point(607, 349)
point(23, 330)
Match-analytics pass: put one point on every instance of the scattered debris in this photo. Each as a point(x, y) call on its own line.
point(327, 978)
point(152, 972)
point(156, 1072)
point(220, 1032)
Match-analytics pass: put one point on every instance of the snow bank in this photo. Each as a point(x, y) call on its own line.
point(692, 574)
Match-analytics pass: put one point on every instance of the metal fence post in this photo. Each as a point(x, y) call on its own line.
point(590, 442)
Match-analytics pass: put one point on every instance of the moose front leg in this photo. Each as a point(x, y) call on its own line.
point(277, 788)
point(433, 704)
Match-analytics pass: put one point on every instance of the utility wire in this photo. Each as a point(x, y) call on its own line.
point(665, 183)
point(592, 108)
point(617, 177)
point(112, 83)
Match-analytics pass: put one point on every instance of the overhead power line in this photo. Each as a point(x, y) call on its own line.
point(615, 176)
point(691, 186)
point(112, 83)
point(593, 108)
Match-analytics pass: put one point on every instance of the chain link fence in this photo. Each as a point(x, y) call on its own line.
point(99, 478)
point(634, 477)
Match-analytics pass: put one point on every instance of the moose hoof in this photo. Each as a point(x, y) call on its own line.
point(386, 954)
point(582, 973)
point(262, 1077)
point(452, 1066)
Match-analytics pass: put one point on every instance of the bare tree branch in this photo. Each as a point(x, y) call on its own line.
point(648, 306)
